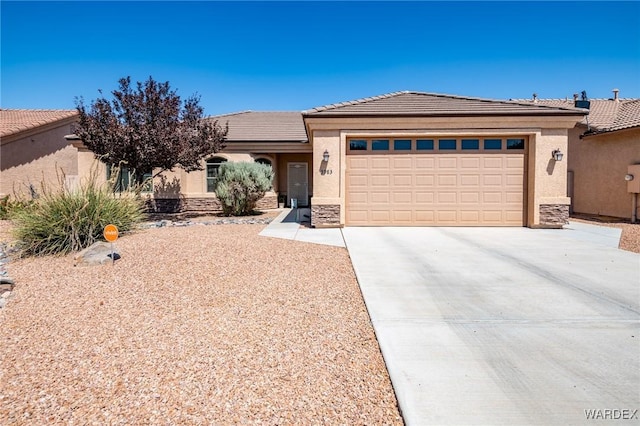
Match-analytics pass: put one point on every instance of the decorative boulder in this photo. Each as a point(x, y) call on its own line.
point(98, 253)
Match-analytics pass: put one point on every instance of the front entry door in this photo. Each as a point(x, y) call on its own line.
point(298, 183)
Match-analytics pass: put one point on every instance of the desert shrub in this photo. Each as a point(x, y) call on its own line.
point(60, 221)
point(9, 206)
point(241, 185)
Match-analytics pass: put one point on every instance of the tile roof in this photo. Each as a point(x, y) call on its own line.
point(14, 121)
point(433, 104)
point(605, 115)
point(256, 126)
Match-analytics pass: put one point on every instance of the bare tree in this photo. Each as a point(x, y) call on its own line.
point(149, 128)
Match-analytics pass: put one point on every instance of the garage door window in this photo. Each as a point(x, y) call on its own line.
point(515, 143)
point(357, 145)
point(470, 144)
point(402, 145)
point(424, 144)
point(380, 145)
point(491, 144)
point(447, 144)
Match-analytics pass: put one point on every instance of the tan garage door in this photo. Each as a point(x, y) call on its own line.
point(452, 187)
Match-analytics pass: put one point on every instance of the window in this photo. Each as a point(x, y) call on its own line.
point(492, 144)
point(402, 145)
point(446, 144)
point(470, 144)
point(264, 161)
point(127, 179)
point(213, 164)
point(357, 145)
point(380, 145)
point(424, 144)
point(515, 143)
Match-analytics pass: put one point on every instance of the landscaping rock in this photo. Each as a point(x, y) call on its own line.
point(98, 253)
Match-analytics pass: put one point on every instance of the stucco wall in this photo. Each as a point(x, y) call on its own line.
point(599, 164)
point(546, 178)
point(39, 157)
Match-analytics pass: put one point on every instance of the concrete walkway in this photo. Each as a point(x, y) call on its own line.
point(288, 226)
point(503, 325)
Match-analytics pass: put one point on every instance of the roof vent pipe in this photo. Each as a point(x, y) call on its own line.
point(615, 95)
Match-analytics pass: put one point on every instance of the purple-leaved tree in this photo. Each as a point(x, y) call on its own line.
point(149, 128)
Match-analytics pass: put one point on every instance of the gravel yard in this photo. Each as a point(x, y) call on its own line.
point(194, 325)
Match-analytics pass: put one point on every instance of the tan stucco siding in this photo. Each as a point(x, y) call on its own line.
point(599, 164)
point(547, 178)
point(35, 159)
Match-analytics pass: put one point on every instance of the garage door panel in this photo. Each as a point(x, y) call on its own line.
point(376, 197)
point(380, 216)
point(447, 180)
point(515, 162)
point(358, 180)
point(447, 163)
point(425, 163)
point(402, 180)
point(461, 189)
point(402, 197)
point(492, 163)
point(492, 180)
point(424, 197)
point(358, 163)
point(514, 197)
point(447, 217)
point(447, 197)
point(358, 197)
point(379, 180)
point(425, 180)
point(470, 180)
point(469, 197)
point(400, 163)
point(379, 162)
point(492, 197)
point(470, 163)
point(425, 217)
point(469, 217)
point(402, 217)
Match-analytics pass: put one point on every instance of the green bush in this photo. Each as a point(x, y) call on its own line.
point(61, 221)
point(241, 185)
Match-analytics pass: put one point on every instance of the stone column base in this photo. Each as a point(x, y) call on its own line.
point(325, 215)
point(554, 215)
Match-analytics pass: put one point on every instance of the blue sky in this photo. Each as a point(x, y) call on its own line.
point(298, 55)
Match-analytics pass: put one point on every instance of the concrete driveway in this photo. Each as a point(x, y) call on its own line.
point(503, 325)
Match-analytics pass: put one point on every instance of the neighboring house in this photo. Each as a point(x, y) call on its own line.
point(601, 147)
point(33, 150)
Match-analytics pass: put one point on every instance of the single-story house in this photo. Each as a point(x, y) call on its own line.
point(400, 159)
point(601, 148)
point(33, 150)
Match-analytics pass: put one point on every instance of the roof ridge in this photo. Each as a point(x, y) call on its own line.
point(38, 109)
point(355, 101)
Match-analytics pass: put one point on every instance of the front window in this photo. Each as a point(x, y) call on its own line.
point(213, 166)
point(126, 179)
point(264, 161)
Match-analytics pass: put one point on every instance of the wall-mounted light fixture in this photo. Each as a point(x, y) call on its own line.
point(628, 177)
point(557, 154)
point(325, 156)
